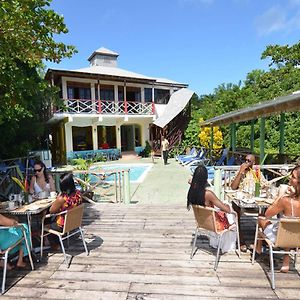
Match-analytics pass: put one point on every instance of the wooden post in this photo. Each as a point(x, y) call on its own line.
point(262, 139)
point(152, 100)
point(252, 136)
point(281, 131)
point(232, 137)
point(99, 98)
point(211, 141)
point(125, 100)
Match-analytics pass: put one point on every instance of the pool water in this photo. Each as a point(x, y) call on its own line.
point(137, 172)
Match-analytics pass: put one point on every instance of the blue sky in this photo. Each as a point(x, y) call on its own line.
point(200, 42)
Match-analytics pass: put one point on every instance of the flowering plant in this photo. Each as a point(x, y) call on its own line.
point(22, 184)
point(256, 174)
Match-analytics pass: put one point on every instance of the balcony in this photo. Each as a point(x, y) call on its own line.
point(108, 107)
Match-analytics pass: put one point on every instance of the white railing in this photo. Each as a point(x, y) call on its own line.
point(77, 106)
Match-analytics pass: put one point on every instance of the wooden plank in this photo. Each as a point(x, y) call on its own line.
point(143, 252)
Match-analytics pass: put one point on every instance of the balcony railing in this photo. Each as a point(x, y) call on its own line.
point(77, 106)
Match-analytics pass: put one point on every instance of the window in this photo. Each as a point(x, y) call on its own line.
point(148, 95)
point(79, 93)
point(161, 96)
point(82, 138)
point(133, 94)
point(107, 93)
point(121, 93)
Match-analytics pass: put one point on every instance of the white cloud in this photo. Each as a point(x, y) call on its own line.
point(279, 19)
point(272, 20)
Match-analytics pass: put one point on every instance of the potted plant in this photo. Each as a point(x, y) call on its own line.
point(84, 178)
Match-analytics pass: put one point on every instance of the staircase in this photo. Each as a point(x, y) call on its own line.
point(174, 136)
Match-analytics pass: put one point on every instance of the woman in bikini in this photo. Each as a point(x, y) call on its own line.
point(41, 181)
point(287, 205)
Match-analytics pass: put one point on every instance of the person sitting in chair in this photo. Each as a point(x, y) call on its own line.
point(199, 194)
point(242, 179)
point(41, 183)
point(287, 205)
point(68, 198)
point(10, 236)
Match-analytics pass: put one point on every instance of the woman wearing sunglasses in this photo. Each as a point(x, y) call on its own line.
point(41, 183)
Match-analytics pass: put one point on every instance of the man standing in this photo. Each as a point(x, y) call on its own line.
point(165, 149)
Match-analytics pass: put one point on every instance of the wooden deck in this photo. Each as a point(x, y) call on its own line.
point(142, 252)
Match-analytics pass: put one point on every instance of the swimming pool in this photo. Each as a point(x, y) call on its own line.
point(137, 172)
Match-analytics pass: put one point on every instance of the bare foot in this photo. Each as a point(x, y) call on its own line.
point(285, 264)
point(284, 269)
point(9, 266)
point(21, 264)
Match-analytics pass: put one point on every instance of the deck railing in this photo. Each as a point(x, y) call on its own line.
point(77, 106)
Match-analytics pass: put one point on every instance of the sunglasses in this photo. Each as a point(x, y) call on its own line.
point(248, 161)
point(38, 170)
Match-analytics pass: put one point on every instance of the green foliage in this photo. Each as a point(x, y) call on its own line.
point(27, 28)
point(82, 164)
point(191, 133)
point(282, 79)
point(146, 152)
point(283, 56)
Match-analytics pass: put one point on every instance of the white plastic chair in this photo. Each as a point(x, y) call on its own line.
point(5, 252)
point(288, 236)
point(206, 221)
point(72, 226)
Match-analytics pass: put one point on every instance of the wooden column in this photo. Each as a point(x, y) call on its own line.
point(152, 101)
point(233, 136)
point(211, 141)
point(99, 98)
point(262, 139)
point(281, 131)
point(125, 100)
point(252, 136)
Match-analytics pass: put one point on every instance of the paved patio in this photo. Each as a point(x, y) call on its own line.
point(141, 251)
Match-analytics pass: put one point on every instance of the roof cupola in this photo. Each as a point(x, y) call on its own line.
point(103, 57)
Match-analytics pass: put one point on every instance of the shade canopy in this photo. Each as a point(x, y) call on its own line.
point(176, 104)
point(263, 109)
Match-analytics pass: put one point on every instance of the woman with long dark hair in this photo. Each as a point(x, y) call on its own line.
point(200, 194)
point(41, 183)
point(68, 198)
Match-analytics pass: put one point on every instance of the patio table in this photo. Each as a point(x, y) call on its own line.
point(245, 201)
point(33, 208)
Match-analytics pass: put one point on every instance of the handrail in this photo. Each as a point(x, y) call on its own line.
point(105, 107)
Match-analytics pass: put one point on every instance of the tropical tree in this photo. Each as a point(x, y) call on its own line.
point(281, 79)
point(27, 29)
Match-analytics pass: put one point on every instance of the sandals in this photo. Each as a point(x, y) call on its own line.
point(284, 269)
point(243, 248)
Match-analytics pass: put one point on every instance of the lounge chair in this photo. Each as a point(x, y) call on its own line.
point(192, 153)
point(200, 156)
